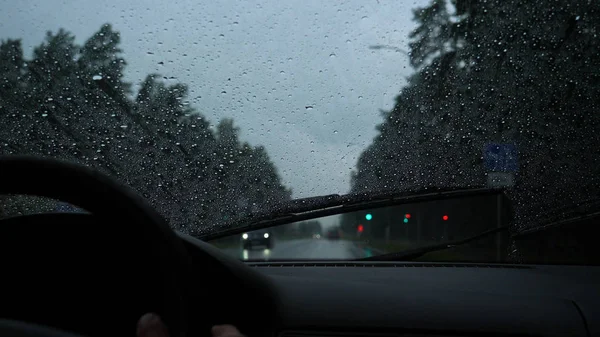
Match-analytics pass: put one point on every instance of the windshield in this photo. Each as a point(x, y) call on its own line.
point(217, 112)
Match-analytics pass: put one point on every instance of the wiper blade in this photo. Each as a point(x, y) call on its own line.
point(412, 254)
point(314, 207)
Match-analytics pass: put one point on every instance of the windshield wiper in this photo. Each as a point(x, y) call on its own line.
point(412, 254)
point(314, 207)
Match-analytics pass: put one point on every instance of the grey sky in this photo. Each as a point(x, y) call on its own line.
point(261, 63)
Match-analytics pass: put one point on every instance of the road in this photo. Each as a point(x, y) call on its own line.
point(306, 249)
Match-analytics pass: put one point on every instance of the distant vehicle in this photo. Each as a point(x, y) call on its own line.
point(334, 234)
point(257, 238)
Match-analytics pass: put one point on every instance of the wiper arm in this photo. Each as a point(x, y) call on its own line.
point(412, 254)
point(314, 207)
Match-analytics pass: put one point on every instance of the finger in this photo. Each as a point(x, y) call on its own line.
point(225, 330)
point(150, 325)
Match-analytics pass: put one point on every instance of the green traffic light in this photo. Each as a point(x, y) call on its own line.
point(368, 216)
point(405, 220)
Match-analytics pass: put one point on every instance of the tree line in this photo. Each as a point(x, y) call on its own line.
point(71, 102)
point(506, 71)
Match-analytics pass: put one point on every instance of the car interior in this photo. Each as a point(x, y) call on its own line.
point(95, 274)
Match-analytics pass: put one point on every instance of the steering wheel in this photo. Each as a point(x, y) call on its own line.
point(91, 274)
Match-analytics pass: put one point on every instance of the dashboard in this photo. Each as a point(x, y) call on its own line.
point(322, 299)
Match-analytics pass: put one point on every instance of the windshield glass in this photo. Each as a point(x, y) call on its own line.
point(217, 112)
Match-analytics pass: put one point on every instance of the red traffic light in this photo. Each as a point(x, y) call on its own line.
point(361, 228)
point(407, 215)
point(445, 217)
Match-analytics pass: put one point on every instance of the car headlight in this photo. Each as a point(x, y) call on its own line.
point(266, 235)
point(245, 236)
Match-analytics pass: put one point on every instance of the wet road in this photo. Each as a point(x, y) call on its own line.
point(306, 249)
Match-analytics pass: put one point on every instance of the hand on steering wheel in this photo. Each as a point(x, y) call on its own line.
point(150, 325)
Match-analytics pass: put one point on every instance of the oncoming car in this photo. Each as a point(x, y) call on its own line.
point(257, 238)
point(334, 234)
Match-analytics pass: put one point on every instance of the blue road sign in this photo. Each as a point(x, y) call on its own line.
point(501, 157)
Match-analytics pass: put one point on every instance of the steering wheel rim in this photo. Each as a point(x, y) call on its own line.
point(105, 198)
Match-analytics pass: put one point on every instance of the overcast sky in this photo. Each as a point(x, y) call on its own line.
point(262, 63)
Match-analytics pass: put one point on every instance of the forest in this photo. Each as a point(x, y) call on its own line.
point(508, 72)
point(71, 102)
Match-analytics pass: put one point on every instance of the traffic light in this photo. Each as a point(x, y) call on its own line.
point(445, 217)
point(361, 228)
point(369, 216)
point(406, 217)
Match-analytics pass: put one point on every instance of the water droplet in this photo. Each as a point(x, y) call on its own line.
point(332, 55)
point(360, 97)
point(68, 98)
point(97, 77)
point(308, 107)
point(44, 115)
point(50, 99)
point(335, 131)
